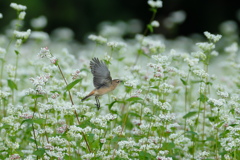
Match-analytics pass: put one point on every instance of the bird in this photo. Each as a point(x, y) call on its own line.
point(102, 80)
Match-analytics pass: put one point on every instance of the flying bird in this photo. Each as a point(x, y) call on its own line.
point(102, 80)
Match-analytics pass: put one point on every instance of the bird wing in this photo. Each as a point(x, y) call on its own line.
point(101, 74)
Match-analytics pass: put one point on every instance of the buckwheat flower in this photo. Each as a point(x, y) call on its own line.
point(116, 45)
point(1, 15)
point(26, 115)
point(166, 88)
point(214, 53)
point(217, 102)
point(155, 24)
point(39, 22)
point(75, 74)
point(4, 94)
point(97, 39)
point(201, 73)
point(163, 158)
point(129, 144)
point(121, 154)
point(229, 27)
point(53, 60)
point(205, 46)
point(163, 60)
point(103, 140)
point(44, 52)
point(155, 4)
point(156, 46)
point(131, 83)
point(212, 37)
point(118, 130)
point(58, 140)
point(40, 80)
point(15, 156)
point(22, 34)
point(191, 62)
point(222, 94)
point(199, 55)
point(2, 52)
point(10, 69)
point(18, 7)
point(233, 48)
point(40, 90)
point(147, 111)
point(22, 15)
point(18, 43)
point(39, 35)
point(62, 129)
point(88, 156)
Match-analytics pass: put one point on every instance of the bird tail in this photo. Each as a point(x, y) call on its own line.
point(89, 95)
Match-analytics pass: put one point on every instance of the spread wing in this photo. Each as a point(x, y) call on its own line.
point(101, 74)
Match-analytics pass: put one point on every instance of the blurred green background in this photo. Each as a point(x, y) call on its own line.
point(83, 16)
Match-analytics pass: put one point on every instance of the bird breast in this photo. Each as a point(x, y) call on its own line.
point(103, 90)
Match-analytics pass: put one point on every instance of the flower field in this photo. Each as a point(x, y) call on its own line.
point(179, 99)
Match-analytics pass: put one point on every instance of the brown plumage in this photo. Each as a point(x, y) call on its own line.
point(102, 80)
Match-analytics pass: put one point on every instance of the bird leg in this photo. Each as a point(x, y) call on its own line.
point(97, 102)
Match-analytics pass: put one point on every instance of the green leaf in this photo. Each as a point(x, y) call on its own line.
point(72, 84)
point(39, 152)
point(6, 126)
point(117, 139)
point(203, 98)
point(183, 81)
point(12, 84)
point(196, 81)
point(145, 155)
point(150, 27)
point(191, 132)
point(39, 120)
point(87, 123)
point(134, 99)
point(17, 52)
point(29, 121)
point(168, 146)
point(121, 58)
point(190, 114)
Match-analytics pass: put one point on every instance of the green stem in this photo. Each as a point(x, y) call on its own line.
point(75, 112)
point(145, 33)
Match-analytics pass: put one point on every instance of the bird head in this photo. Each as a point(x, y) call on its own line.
point(116, 82)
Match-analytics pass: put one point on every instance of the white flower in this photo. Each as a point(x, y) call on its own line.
point(191, 62)
point(233, 48)
point(155, 24)
point(22, 34)
point(213, 37)
point(88, 156)
point(201, 73)
point(116, 45)
point(2, 50)
point(18, 7)
point(39, 35)
point(39, 22)
point(1, 15)
point(214, 53)
point(199, 54)
point(22, 15)
point(44, 52)
point(18, 43)
point(206, 46)
point(97, 39)
point(217, 102)
point(155, 4)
